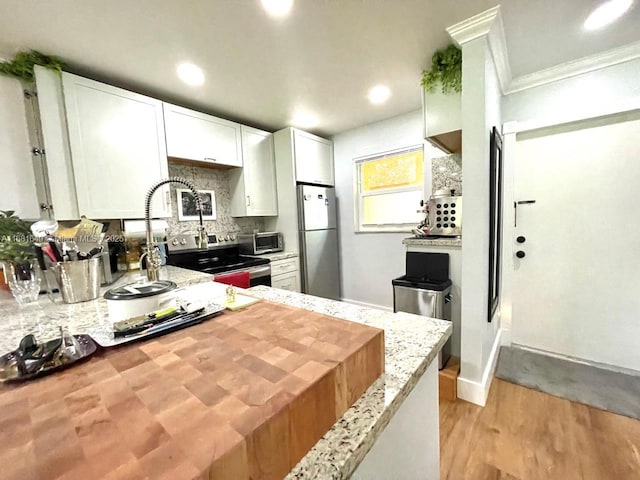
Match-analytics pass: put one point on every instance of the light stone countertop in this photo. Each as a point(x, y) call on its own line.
point(274, 257)
point(412, 342)
point(43, 318)
point(433, 242)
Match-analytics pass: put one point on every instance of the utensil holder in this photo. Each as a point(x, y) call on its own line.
point(78, 281)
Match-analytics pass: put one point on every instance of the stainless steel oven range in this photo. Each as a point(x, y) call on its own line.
point(221, 256)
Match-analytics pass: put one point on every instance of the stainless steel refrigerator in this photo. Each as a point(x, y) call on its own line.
point(318, 241)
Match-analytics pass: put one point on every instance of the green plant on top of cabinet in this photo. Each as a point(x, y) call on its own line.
point(200, 137)
point(253, 188)
point(104, 147)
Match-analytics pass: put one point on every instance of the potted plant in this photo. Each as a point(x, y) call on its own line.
point(21, 65)
point(441, 96)
point(446, 70)
point(17, 256)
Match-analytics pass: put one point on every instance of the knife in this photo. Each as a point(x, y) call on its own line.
point(180, 319)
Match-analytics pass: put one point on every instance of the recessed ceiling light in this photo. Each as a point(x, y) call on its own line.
point(607, 13)
point(379, 94)
point(304, 119)
point(190, 74)
point(277, 8)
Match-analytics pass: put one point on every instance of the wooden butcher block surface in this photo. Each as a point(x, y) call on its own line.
point(243, 395)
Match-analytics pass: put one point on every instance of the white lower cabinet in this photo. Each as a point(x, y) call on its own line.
point(288, 281)
point(285, 274)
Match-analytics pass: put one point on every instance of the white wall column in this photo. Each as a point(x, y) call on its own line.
point(481, 40)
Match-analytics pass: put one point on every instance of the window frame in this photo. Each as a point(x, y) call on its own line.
point(358, 195)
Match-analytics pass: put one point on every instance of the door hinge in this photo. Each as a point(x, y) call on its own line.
point(36, 152)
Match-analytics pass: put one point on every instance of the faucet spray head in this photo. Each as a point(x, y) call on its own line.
point(153, 253)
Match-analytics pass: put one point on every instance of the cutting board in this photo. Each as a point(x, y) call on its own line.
point(242, 396)
point(240, 302)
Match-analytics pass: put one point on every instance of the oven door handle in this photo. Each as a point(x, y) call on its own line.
point(254, 272)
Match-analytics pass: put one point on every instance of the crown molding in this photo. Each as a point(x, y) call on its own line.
point(486, 24)
point(498, 46)
point(474, 27)
point(625, 106)
point(574, 68)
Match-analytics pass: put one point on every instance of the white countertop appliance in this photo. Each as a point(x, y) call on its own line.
point(259, 243)
point(443, 214)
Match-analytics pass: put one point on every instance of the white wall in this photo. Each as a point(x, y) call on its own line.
point(480, 112)
point(17, 191)
point(585, 96)
point(565, 313)
point(581, 96)
point(369, 261)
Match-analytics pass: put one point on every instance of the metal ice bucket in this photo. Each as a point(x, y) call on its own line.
point(78, 281)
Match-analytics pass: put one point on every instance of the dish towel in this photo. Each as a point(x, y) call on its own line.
point(237, 279)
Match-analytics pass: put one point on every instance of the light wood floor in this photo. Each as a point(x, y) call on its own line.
point(523, 434)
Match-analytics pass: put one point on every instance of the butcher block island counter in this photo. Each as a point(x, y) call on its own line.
point(247, 394)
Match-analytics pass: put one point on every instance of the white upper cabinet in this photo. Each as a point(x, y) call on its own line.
point(313, 158)
point(197, 136)
point(253, 188)
point(59, 168)
point(117, 147)
point(18, 187)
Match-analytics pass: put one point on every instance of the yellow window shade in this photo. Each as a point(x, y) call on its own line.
point(398, 171)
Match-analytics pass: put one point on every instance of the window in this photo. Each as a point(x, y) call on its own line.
point(389, 187)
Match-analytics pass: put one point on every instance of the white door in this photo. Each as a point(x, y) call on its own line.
point(314, 159)
point(201, 137)
point(259, 172)
point(577, 289)
point(117, 149)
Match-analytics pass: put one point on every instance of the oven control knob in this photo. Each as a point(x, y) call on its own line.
point(233, 238)
point(227, 238)
point(183, 242)
point(174, 242)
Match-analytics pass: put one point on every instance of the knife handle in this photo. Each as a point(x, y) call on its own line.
point(40, 257)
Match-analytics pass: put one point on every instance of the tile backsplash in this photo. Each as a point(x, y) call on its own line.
point(218, 181)
point(446, 173)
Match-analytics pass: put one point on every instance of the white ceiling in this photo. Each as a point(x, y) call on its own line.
point(322, 58)
point(545, 33)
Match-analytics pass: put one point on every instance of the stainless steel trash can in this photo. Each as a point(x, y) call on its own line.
point(429, 299)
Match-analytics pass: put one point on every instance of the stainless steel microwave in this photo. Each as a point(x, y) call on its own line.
point(259, 243)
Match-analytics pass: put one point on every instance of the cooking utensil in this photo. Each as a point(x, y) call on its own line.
point(44, 228)
point(55, 252)
point(179, 322)
point(142, 322)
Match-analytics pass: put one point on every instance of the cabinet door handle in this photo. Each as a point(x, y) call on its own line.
point(248, 200)
point(209, 159)
point(167, 198)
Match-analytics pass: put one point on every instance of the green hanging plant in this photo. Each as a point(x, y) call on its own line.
point(15, 235)
point(21, 66)
point(446, 68)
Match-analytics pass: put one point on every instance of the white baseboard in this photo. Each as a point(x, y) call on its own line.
point(368, 305)
point(477, 392)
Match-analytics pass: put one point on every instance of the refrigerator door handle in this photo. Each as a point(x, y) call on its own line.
point(304, 279)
